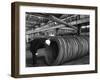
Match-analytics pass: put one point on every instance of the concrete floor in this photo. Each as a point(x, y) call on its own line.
point(41, 62)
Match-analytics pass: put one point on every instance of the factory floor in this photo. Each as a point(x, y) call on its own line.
point(41, 62)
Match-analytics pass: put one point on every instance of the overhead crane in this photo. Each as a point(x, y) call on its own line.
point(60, 23)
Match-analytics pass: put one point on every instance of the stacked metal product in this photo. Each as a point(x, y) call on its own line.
point(63, 49)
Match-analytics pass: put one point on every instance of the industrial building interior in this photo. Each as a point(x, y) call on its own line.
point(62, 39)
